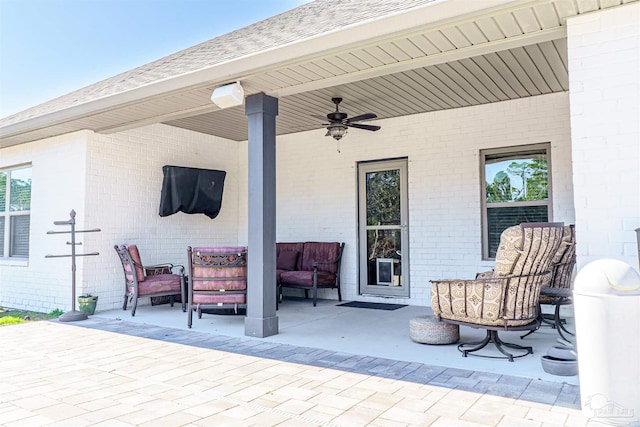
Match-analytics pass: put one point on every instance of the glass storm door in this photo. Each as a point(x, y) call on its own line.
point(383, 228)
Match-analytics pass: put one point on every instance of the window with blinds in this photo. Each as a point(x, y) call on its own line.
point(516, 188)
point(15, 212)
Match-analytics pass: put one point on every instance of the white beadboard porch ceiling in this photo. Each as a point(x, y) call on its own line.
point(514, 53)
point(500, 54)
point(531, 70)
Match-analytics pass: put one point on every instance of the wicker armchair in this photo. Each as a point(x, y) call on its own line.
point(149, 280)
point(506, 299)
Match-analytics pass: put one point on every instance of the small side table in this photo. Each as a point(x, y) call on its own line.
point(429, 330)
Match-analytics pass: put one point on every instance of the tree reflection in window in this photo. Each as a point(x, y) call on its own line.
point(516, 191)
point(383, 197)
point(519, 180)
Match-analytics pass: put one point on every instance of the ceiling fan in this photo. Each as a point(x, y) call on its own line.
point(338, 122)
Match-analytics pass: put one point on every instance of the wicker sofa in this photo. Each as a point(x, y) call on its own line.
point(309, 266)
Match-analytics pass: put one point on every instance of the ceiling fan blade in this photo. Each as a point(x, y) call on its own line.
point(361, 126)
point(365, 116)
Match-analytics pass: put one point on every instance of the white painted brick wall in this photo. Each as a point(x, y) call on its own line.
point(317, 187)
point(124, 181)
point(317, 193)
point(604, 81)
point(58, 171)
point(121, 175)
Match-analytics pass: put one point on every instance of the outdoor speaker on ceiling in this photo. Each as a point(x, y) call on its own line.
point(230, 95)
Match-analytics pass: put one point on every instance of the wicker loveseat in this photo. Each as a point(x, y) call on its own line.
point(309, 266)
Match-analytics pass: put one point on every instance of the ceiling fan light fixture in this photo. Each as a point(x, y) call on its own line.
point(336, 130)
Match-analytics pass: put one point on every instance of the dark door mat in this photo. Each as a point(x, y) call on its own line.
point(373, 305)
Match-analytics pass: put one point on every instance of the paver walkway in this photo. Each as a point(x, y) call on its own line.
point(85, 374)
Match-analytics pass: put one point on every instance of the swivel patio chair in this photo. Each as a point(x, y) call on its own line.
point(142, 281)
point(558, 291)
point(507, 299)
point(217, 279)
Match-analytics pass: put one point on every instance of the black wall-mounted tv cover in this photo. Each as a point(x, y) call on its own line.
point(191, 190)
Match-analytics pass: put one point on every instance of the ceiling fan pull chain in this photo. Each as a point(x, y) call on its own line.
point(338, 146)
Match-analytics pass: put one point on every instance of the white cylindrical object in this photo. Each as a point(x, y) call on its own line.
point(607, 316)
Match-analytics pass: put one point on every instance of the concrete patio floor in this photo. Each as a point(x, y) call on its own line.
point(358, 331)
point(75, 374)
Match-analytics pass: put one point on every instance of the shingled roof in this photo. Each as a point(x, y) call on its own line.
point(303, 22)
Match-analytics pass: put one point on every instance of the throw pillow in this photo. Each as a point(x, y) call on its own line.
point(287, 260)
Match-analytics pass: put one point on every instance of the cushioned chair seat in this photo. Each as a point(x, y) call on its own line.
point(219, 299)
point(279, 274)
point(158, 284)
point(305, 278)
point(481, 303)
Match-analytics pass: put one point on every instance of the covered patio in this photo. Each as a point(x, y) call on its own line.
point(451, 82)
point(448, 81)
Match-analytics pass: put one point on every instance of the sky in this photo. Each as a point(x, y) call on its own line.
point(49, 48)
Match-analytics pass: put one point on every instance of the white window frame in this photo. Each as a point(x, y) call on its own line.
point(7, 214)
point(515, 151)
